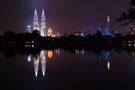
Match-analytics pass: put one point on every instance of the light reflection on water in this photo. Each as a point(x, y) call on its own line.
point(39, 60)
point(77, 68)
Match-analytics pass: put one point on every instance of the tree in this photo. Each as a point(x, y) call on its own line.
point(128, 17)
point(132, 2)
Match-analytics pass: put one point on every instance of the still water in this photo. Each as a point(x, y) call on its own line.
point(60, 69)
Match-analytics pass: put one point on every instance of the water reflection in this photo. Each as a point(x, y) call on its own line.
point(41, 58)
point(36, 65)
point(82, 51)
point(50, 54)
point(29, 58)
point(106, 55)
point(108, 65)
point(75, 67)
point(38, 59)
point(57, 51)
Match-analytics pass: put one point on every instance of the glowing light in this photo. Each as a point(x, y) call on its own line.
point(49, 32)
point(108, 22)
point(36, 62)
point(32, 41)
point(32, 46)
point(29, 58)
point(53, 35)
point(57, 51)
point(29, 30)
point(108, 18)
point(36, 65)
point(28, 26)
point(82, 52)
point(129, 45)
point(108, 65)
point(27, 45)
point(77, 51)
point(50, 54)
point(43, 62)
point(40, 59)
point(43, 24)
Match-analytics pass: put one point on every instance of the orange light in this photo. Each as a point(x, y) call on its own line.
point(49, 32)
point(36, 60)
point(50, 54)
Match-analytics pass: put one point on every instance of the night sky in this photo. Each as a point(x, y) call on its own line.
point(62, 15)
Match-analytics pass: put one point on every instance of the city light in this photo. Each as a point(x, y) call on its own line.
point(108, 65)
point(49, 32)
point(50, 54)
point(29, 58)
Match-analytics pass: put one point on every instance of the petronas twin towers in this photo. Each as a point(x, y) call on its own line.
point(42, 26)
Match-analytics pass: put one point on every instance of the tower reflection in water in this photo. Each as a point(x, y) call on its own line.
point(39, 59)
point(106, 56)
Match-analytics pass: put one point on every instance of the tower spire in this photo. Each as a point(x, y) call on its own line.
point(35, 23)
point(108, 22)
point(43, 24)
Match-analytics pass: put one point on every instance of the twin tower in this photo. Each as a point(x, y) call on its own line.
point(41, 27)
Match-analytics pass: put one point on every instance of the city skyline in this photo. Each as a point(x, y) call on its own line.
point(62, 15)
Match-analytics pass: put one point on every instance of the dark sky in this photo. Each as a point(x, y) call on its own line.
point(62, 15)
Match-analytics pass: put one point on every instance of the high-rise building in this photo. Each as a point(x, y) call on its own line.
point(43, 24)
point(29, 30)
point(35, 23)
point(42, 27)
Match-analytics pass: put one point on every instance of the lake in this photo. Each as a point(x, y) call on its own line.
point(59, 69)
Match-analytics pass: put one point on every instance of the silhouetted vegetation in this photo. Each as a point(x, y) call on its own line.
point(128, 17)
point(11, 40)
point(26, 43)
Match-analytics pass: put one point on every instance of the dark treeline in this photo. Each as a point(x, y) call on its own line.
point(21, 40)
point(128, 16)
point(27, 43)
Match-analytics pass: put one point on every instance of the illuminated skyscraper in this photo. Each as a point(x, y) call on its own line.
point(29, 29)
point(43, 24)
point(35, 23)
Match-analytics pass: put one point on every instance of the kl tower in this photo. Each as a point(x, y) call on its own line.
point(108, 22)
